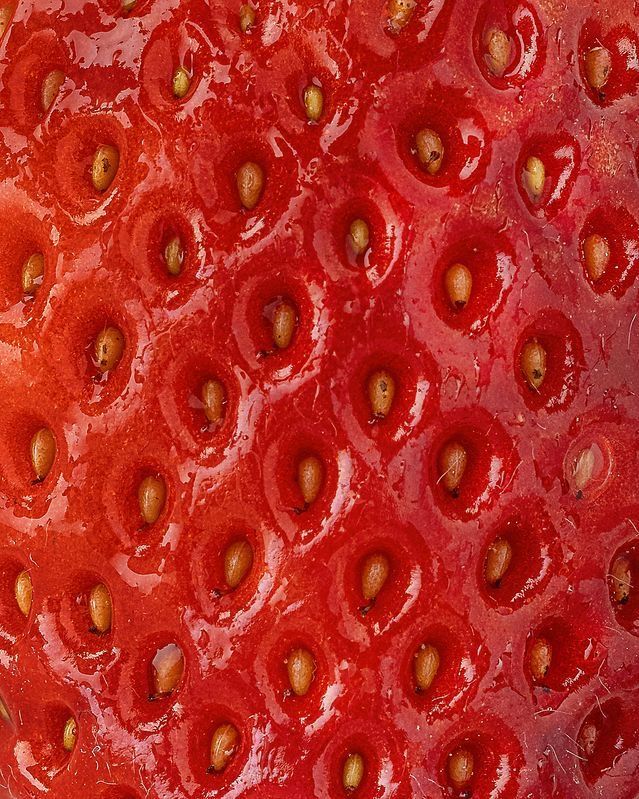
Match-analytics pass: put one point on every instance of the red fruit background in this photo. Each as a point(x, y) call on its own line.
point(457, 374)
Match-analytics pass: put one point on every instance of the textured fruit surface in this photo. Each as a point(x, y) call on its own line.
point(220, 267)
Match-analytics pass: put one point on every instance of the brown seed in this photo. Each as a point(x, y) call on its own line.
point(359, 236)
point(584, 468)
point(375, 571)
point(5, 716)
point(400, 12)
point(598, 63)
point(425, 666)
point(167, 669)
point(43, 449)
point(284, 322)
point(621, 579)
point(32, 273)
point(23, 591)
point(459, 283)
point(588, 736)
point(452, 465)
point(238, 559)
point(497, 562)
point(128, 5)
point(381, 393)
point(250, 183)
point(247, 17)
point(430, 150)
point(461, 765)
point(70, 735)
point(151, 498)
point(100, 609)
point(50, 88)
point(105, 166)
point(214, 400)
point(301, 669)
point(109, 346)
point(534, 177)
point(540, 659)
point(313, 102)
point(310, 476)
point(181, 83)
point(353, 771)
point(596, 256)
point(533, 363)
point(174, 256)
point(497, 51)
point(223, 745)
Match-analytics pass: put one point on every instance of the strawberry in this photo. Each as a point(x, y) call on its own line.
point(318, 348)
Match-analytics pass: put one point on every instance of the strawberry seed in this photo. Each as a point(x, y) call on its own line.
point(461, 766)
point(301, 670)
point(426, 663)
point(453, 460)
point(598, 63)
point(459, 283)
point(180, 83)
point(359, 236)
point(50, 88)
point(43, 450)
point(430, 150)
point(497, 562)
point(310, 476)
point(588, 737)
point(353, 771)
point(214, 400)
point(621, 579)
point(540, 659)
point(109, 346)
point(105, 166)
point(174, 256)
point(250, 183)
point(596, 256)
point(381, 393)
point(70, 735)
point(238, 559)
point(534, 177)
point(533, 363)
point(151, 498)
point(400, 13)
point(313, 102)
point(375, 571)
point(32, 273)
point(23, 591)
point(284, 323)
point(167, 669)
point(247, 17)
point(100, 609)
point(224, 742)
point(498, 51)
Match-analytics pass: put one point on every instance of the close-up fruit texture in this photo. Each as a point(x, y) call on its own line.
point(319, 375)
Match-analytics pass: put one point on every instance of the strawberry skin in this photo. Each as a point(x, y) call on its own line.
point(318, 348)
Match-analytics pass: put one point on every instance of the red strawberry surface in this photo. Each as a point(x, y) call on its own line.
point(318, 377)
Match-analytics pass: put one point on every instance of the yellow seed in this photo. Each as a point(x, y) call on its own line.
point(584, 468)
point(284, 321)
point(598, 63)
point(621, 579)
point(50, 88)
point(534, 177)
point(213, 399)
point(6, 12)
point(452, 465)
point(497, 562)
point(497, 51)
point(181, 83)
point(460, 768)
point(533, 363)
point(353, 771)
point(223, 745)
point(540, 659)
point(250, 183)
point(167, 669)
point(70, 735)
point(588, 736)
point(310, 476)
point(400, 12)
point(151, 498)
point(596, 256)
point(238, 559)
point(381, 393)
point(174, 256)
point(359, 236)
point(375, 572)
point(109, 346)
point(430, 150)
point(425, 666)
point(247, 17)
point(23, 591)
point(32, 273)
point(105, 166)
point(459, 283)
point(5, 716)
point(128, 5)
point(100, 609)
point(43, 449)
point(313, 102)
point(301, 669)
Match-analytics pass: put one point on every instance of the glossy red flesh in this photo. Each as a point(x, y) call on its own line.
point(457, 376)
